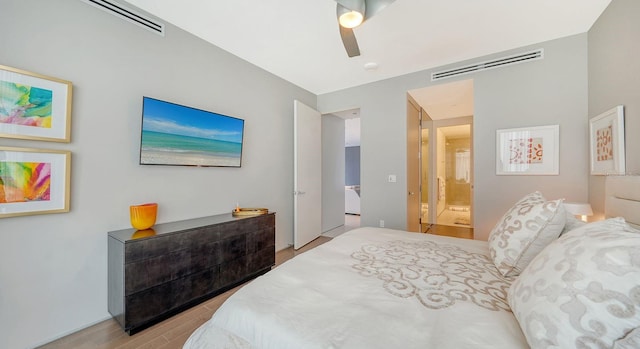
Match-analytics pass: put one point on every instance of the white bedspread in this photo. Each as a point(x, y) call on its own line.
point(372, 288)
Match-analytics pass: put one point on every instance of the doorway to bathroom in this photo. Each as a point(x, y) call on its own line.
point(453, 175)
point(445, 167)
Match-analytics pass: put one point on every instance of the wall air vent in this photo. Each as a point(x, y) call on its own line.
point(496, 63)
point(130, 15)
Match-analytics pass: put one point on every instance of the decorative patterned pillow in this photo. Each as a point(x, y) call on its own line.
point(583, 290)
point(527, 228)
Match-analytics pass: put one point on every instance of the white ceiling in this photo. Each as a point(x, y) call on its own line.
point(298, 40)
point(446, 101)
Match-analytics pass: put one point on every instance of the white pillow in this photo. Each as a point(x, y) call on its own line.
point(583, 290)
point(528, 227)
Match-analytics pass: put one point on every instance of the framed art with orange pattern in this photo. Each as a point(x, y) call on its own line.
point(33, 181)
point(606, 135)
point(528, 151)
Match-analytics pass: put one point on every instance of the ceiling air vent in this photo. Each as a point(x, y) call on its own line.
point(496, 63)
point(125, 13)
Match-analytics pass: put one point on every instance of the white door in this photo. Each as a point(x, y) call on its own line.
point(307, 175)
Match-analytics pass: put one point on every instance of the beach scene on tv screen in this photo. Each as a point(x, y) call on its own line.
point(177, 135)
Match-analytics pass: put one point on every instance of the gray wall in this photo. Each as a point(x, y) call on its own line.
point(332, 172)
point(614, 71)
point(352, 165)
point(545, 92)
point(53, 267)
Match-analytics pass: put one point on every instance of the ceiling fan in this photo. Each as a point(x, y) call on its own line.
point(351, 13)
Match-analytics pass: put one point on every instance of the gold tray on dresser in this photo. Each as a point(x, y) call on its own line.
point(249, 211)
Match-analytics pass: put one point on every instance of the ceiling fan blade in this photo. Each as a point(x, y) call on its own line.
point(349, 41)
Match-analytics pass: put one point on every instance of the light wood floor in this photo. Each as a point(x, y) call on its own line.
point(169, 334)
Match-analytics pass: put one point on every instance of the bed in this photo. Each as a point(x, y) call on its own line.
point(383, 288)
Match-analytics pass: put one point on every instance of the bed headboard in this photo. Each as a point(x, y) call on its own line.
point(623, 198)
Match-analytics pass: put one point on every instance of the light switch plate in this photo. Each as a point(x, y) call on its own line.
point(392, 178)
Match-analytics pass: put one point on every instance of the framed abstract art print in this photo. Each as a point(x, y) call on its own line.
point(528, 151)
point(33, 181)
point(606, 136)
point(34, 106)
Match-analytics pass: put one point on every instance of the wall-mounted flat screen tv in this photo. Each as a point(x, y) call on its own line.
point(174, 134)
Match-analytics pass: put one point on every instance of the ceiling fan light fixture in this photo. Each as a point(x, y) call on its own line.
point(351, 19)
point(350, 13)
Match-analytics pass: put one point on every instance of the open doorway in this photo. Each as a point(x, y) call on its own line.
point(352, 188)
point(445, 155)
point(453, 168)
point(341, 172)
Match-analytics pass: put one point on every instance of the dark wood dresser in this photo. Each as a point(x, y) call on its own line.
point(153, 275)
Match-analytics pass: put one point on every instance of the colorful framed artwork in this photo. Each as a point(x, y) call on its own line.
point(528, 151)
point(606, 135)
point(33, 181)
point(34, 106)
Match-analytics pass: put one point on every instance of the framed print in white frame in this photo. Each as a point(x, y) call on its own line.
point(33, 181)
point(34, 106)
point(606, 139)
point(528, 151)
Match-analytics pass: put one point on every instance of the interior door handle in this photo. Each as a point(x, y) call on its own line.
point(411, 193)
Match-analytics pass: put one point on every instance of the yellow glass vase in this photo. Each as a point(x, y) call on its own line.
point(143, 216)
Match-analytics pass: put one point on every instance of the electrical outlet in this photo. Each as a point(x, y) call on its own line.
point(381, 223)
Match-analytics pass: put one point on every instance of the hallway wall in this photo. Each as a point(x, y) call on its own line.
point(333, 169)
point(352, 165)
